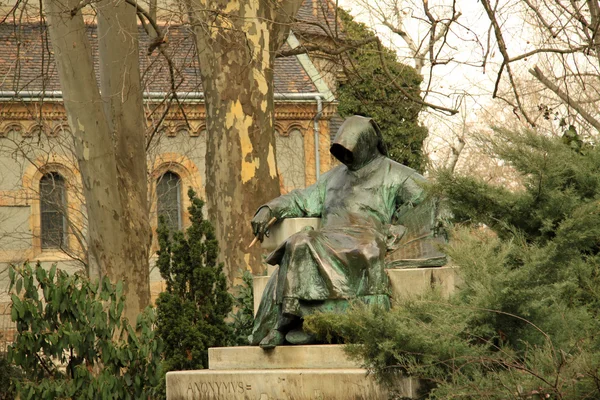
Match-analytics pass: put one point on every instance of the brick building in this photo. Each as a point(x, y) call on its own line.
point(42, 211)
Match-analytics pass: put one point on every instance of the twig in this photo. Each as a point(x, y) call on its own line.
point(506, 58)
point(12, 11)
point(43, 364)
point(547, 50)
point(324, 49)
point(418, 100)
point(158, 42)
point(539, 75)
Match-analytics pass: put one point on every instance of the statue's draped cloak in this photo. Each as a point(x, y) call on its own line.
point(358, 203)
point(345, 257)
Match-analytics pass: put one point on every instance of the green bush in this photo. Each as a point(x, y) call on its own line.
point(193, 308)
point(525, 321)
point(8, 374)
point(243, 318)
point(72, 342)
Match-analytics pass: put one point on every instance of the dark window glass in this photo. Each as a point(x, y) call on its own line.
point(53, 207)
point(168, 197)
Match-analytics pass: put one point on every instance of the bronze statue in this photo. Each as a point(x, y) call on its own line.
point(361, 204)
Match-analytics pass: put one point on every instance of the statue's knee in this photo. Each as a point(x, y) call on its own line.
point(373, 251)
point(301, 238)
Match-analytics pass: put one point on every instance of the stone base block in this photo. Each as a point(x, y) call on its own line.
point(407, 282)
point(284, 384)
point(324, 356)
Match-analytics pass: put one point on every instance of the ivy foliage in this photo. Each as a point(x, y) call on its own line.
point(368, 90)
point(524, 323)
point(193, 308)
point(72, 341)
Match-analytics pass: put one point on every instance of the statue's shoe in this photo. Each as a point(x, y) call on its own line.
point(298, 336)
point(290, 307)
point(273, 338)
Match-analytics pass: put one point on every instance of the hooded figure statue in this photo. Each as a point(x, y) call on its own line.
point(360, 203)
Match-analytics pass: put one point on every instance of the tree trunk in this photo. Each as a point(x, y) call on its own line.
point(109, 140)
point(237, 42)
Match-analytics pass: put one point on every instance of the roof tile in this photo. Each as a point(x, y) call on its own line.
point(27, 63)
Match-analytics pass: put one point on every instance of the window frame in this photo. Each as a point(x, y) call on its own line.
point(191, 177)
point(74, 203)
point(178, 198)
point(60, 211)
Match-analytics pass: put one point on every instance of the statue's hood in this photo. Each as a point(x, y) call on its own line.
point(358, 142)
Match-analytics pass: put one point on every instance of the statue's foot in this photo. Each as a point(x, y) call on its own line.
point(274, 338)
point(290, 308)
point(298, 336)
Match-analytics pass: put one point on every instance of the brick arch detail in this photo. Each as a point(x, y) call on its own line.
point(296, 126)
point(11, 126)
point(188, 173)
point(31, 182)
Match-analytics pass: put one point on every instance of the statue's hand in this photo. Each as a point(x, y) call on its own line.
point(260, 222)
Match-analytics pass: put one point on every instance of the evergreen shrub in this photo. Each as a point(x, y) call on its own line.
point(193, 308)
point(524, 324)
point(242, 319)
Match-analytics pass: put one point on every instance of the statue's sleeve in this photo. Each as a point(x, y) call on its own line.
point(409, 194)
point(418, 214)
point(301, 202)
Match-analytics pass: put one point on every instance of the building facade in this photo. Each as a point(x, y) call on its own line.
point(42, 209)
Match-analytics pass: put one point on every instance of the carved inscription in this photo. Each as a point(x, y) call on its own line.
point(215, 389)
point(233, 389)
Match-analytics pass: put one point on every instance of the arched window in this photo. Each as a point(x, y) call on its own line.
point(53, 208)
point(290, 159)
point(168, 200)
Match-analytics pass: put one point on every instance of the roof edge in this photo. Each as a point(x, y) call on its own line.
point(311, 70)
point(56, 95)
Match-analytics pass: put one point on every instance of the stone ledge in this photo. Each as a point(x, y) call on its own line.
point(284, 384)
point(327, 356)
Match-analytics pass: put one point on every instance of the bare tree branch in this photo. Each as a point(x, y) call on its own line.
point(540, 17)
point(539, 75)
point(158, 42)
point(418, 100)
point(502, 47)
point(79, 6)
point(546, 50)
point(307, 48)
point(455, 151)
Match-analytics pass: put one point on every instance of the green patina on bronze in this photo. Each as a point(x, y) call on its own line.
point(362, 204)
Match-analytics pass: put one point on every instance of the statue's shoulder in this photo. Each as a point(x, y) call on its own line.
point(402, 172)
point(333, 171)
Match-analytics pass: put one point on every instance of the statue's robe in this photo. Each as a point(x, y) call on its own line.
point(359, 204)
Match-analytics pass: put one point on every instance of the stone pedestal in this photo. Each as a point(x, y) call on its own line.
point(319, 372)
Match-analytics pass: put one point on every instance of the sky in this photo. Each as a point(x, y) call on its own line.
point(463, 82)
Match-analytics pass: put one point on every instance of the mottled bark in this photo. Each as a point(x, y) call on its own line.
point(237, 41)
point(109, 140)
